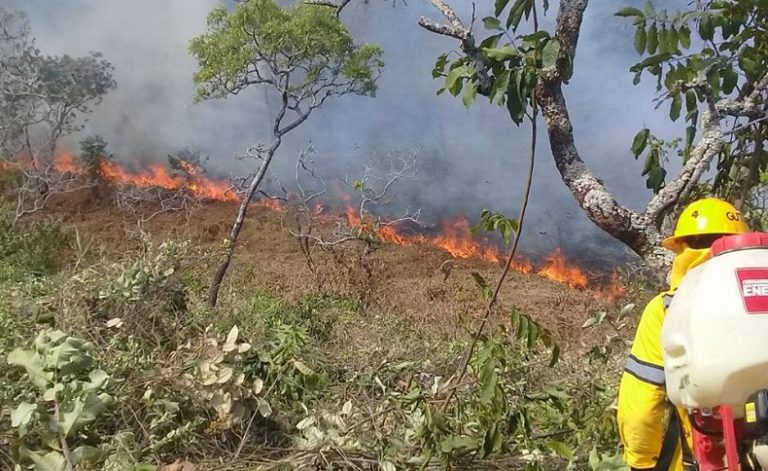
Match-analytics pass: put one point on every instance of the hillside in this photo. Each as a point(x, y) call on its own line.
point(324, 344)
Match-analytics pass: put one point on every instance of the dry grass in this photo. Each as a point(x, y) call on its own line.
point(409, 295)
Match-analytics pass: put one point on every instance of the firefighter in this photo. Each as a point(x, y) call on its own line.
point(651, 429)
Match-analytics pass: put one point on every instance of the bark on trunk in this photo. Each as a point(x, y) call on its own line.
point(221, 269)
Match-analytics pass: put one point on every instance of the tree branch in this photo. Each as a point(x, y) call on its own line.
point(458, 30)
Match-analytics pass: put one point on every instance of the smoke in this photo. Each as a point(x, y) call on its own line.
point(470, 159)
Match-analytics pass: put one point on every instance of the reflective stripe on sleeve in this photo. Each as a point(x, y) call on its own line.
point(667, 300)
point(645, 371)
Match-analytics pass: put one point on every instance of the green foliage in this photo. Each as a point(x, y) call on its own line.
point(726, 61)
point(72, 394)
point(28, 252)
point(134, 280)
point(303, 49)
point(279, 363)
point(493, 222)
point(515, 63)
point(656, 157)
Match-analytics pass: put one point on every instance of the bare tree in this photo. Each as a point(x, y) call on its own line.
point(43, 98)
point(140, 205)
point(362, 226)
point(304, 55)
point(41, 181)
point(303, 208)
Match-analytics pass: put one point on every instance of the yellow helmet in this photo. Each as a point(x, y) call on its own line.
point(703, 217)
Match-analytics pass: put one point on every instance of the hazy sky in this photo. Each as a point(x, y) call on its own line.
point(475, 159)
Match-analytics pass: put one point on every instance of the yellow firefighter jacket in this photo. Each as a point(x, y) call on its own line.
point(643, 411)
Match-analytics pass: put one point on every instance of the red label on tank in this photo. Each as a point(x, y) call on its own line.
point(753, 283)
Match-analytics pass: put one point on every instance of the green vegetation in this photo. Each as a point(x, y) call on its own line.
point(142, 373)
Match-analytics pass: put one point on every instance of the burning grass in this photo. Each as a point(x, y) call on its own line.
point(414, 331)
point(452, 235)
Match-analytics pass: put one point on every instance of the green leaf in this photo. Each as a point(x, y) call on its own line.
point(480, 281)
point(748, 65)
point(22, 414)
point(522, 327)
point(70, 355)
point(640, 141)
point(533, 334)
point(629, 11)
point(516, 14)
point(663, 41)
point(492, 23)
point(440, 64)
point(555, 355)
point(685, 36)
point(500, 53)
point(730, 79)
point(33, 364)
point(87, 455)
point(493, 440)
point(52, 393)
point(499, 88)
point(562, 450)
point(51, 461)
point(470, 93)
point(707, 27)
point(655, 179)
point(690, 101)
point(640, 38)
point(303, 369)
point(674, 110)
point(454, 443)
point(453, 82)
point(652, 39)
point(550, 53)
point(713, 77)
point(516, 104)
point(500, 5)
point(83, 412)
point(649, 10)
point(690, 134)
point(672, 39)
point(491, 41)
point(651, 161)
point(489, 382)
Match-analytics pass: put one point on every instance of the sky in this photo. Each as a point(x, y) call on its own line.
point(469, 160)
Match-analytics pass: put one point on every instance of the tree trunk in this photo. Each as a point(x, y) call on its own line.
point(642, 231)
point(221, 269)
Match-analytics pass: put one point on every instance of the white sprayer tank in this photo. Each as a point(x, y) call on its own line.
point(715, 334)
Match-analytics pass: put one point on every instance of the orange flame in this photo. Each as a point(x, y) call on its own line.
point(613, 291)
point(523, 266)
point(556, 268)
point(156, 175)
point(273, 204)
point(457, 240)
point(65, 163)
point(454, 235)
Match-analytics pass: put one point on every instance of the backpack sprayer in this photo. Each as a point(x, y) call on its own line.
point(715, 343)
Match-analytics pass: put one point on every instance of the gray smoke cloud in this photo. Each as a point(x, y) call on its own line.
point(470, 159)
